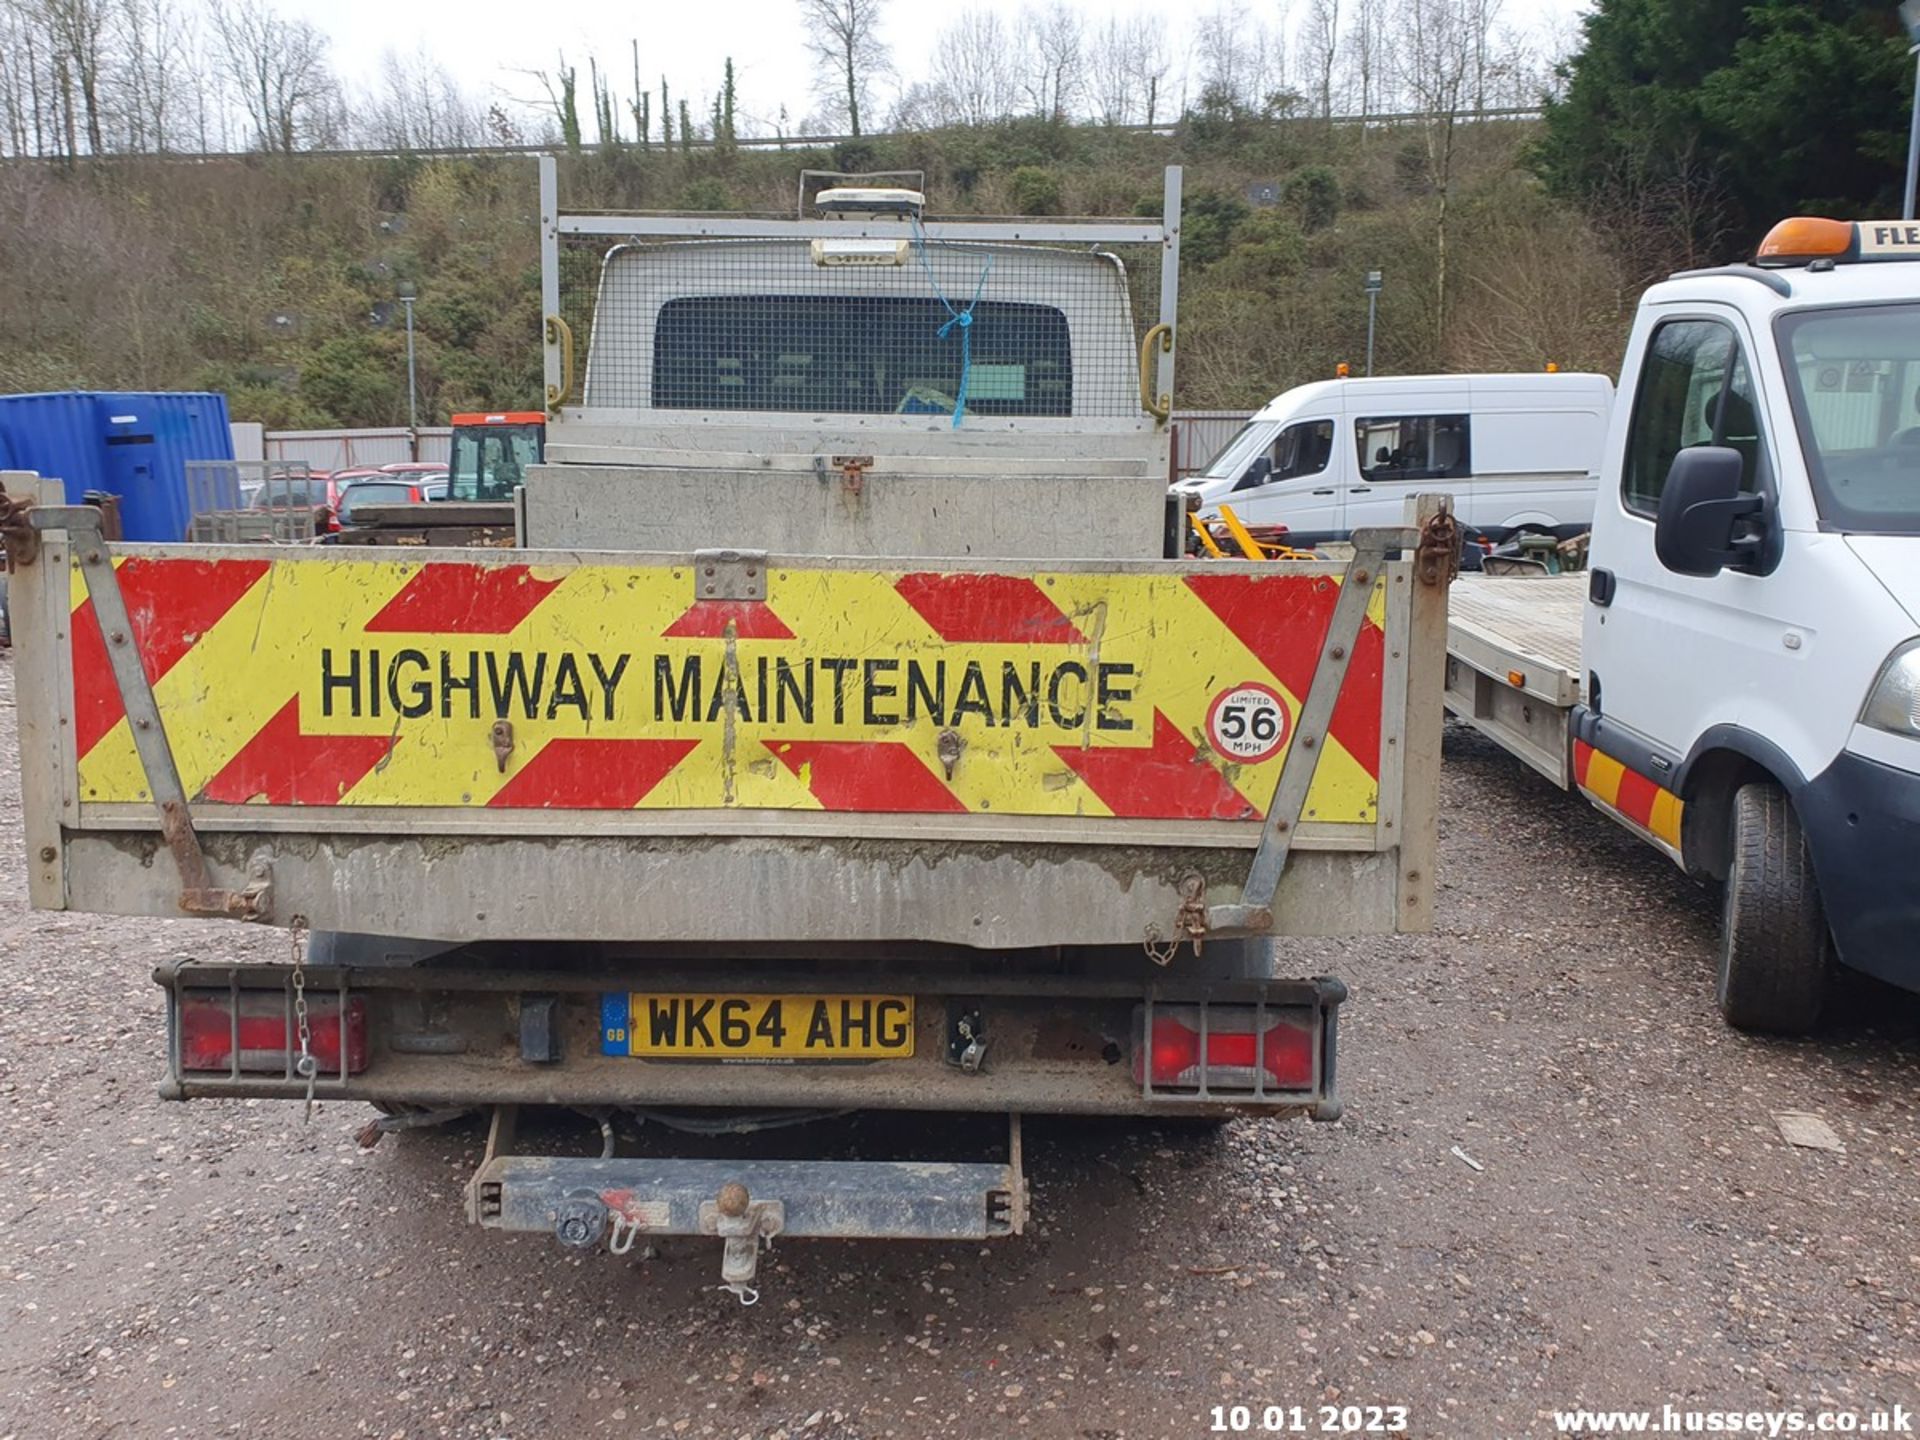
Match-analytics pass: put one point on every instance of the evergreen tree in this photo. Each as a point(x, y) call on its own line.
point(1710, 119)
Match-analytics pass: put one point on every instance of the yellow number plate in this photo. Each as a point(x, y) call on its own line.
point(757, 1027)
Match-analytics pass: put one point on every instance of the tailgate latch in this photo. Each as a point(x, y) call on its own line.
point(1437, 560)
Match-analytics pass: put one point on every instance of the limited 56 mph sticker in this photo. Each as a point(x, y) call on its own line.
point(1248, 723)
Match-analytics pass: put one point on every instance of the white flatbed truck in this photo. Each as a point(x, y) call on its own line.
point(844, 731)
point(1737, 677)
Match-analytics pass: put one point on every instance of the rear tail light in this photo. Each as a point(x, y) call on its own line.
point(1224, 1048)
point(263, 1038)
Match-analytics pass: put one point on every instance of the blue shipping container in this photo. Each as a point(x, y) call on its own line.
point(130, 444)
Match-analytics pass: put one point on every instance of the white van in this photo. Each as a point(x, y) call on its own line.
point(1326, 458)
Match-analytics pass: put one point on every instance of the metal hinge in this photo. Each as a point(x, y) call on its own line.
point(17, 529)
point(730, 575)
point(853, 471)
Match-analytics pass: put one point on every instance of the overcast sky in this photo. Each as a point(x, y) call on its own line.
point(485, 42)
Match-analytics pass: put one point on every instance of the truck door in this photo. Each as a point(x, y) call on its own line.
point(1671, 654)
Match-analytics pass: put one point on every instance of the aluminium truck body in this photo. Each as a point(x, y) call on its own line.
point(861, 753)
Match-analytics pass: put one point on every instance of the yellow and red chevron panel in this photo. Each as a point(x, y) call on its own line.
point(356, 679)
point(1629, 794)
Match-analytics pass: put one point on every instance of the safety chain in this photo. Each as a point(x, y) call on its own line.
point(1161, 952)
point(306, 1067)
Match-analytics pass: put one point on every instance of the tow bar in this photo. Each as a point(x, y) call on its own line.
point(584, 1203)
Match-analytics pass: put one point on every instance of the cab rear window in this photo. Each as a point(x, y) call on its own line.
point(864, 355)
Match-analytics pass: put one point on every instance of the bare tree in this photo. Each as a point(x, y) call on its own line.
point(1365, 49)
point(1238, 56)
point(642, 103)
point(418, 105)
point(1149, 64)
point(1110, 90)
point(1126, 69)
point(1055, 48)
point(157, 72)
point(82, 32)
point(21, 53)
point(1319, 41)
point(605, 114)
point(924, 105)
point(844, 37)
point(279, 70)
point(974, 80)
point(1438, 56)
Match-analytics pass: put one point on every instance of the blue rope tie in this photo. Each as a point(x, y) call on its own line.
point(963, 319)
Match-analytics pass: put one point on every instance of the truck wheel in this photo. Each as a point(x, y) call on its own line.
point(1773, 932)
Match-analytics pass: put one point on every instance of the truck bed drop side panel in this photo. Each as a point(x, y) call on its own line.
point(1513, 664)
point(567, 745)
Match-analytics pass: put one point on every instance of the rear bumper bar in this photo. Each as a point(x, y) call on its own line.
point(1056, 1044)
point(830, 1199)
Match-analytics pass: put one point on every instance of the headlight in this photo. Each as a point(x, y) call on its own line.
point(1894, 702)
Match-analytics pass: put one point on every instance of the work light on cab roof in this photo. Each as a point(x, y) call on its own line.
point(1814, 240)
point(869, 202)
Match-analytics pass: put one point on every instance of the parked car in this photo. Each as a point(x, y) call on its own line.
point(391, 490)
point(1326, 458)
point(430, 475)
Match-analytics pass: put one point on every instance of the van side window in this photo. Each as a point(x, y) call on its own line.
point(1414, 447)
point(1302, 449)
point(1695, 389)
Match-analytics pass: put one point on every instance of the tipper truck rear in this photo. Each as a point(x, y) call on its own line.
point(837, 735)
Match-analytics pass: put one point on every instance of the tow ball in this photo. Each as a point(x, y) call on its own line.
point(741, 1222)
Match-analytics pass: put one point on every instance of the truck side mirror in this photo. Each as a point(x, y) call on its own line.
point(1700, 508)
point(1256, 474)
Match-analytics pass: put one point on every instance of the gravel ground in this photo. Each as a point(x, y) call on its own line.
point(1636, 1231)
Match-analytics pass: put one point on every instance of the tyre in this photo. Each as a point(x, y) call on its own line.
point(1773, 933)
